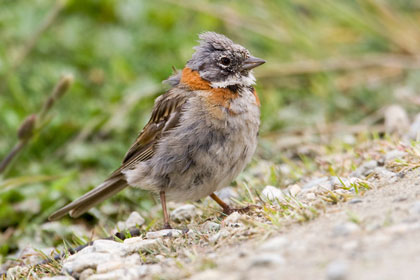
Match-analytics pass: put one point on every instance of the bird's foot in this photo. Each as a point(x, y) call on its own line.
point(229, 210)
point(167, 226)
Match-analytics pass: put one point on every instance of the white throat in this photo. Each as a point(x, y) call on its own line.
point(235, 80)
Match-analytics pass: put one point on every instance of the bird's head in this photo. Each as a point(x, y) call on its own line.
point(222, 62)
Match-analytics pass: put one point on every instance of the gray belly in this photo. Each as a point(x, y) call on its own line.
point(198, 157)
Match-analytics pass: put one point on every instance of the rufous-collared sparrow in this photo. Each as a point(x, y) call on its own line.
point(202, 132)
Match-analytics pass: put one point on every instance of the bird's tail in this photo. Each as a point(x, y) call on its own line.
point(81, 205)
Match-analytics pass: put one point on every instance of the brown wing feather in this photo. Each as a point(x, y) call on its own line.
point(165, 115)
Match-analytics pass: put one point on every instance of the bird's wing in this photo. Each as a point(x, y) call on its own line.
point(165, 116)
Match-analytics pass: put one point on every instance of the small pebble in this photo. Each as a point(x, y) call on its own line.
point(131, 273)
point(337, 270)
point(310, 196)
point(86, 274)
point(135, 244)
point(211, 275)
point(267, 259)
point(164, 233)
point(226, 194)
point(383, 173)
point(215, 237)
point(60, 277)
point(135, 219)
point(396, 120)
point(355, 201)
point(345, 229)
point(402, 228)
point(107, 246)
point(393, 155)
point(79, 262)
point(365, 169)
point(399, 199)
point(185, 212)
point(294, 189)
point(275, 244)
point(350, 245)
point(415, 208)
point(414, 131)
point(313, 184)
point(233, 218)
point(272, 193)
point(210, 226)
point(149, 269)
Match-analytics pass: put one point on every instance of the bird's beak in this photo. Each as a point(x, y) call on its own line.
point(252, 62)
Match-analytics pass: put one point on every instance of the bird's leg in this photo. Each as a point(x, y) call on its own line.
point(226, 208)
point(166, 224)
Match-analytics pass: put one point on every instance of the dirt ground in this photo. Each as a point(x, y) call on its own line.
point(365, 233)
point(372, 237)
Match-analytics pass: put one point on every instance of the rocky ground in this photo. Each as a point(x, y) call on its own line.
point(365, 225)
point(334, 211)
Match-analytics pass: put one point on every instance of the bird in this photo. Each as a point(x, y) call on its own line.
point(201, 134)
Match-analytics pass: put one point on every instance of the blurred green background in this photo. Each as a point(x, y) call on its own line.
point(328, 61)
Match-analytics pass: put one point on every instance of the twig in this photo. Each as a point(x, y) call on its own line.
point(16, 149)
point(34, 123)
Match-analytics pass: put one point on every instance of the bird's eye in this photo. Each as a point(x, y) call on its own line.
point(225, 61)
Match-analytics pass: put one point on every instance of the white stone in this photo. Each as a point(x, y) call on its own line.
point(233, 218)
point(226, 194)
point(131, 273)
point(107, 246)
point(60, 277)
point(294, 189)
point(396, 120)
point(136, 244)
point(210, 226)
point(86, 250)
point(120, 226)
point(383, 173)
point(185, 212)
point(343, 182)
point(337, 270)
point(414, 131)
point(350, 245)
point(345, 229)
point(211, 275)
point(126, 262)
point(267, 259)
point(393, 155)
point(278, 243)
point(79, 262)
point(86, 274)
point(149, 269)
point(402, 228)
point(135, 219)
point(365, 169)
point(215, 237)
point(106, 267)
point(273, 194)
point(415, 208)
point(285, 169)
point(164, 233)
point(310, 196)
point(313, 184)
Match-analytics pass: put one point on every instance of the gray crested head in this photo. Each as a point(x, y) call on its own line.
point(222, 62)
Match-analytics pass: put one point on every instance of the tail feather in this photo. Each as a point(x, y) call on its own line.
point(81, 205)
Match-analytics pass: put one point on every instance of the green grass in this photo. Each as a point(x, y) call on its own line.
point(328, 61)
